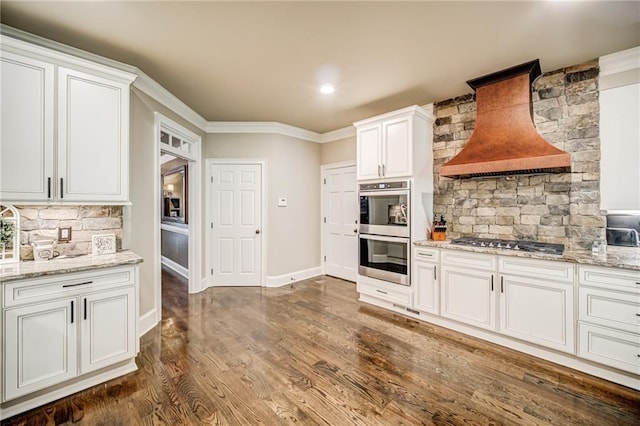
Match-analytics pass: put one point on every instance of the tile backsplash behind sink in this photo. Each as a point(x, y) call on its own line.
point(84, 221)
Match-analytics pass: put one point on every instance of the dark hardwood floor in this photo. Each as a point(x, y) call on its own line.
point(312, 354)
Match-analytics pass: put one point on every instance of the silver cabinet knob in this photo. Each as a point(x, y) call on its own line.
point(257, 231)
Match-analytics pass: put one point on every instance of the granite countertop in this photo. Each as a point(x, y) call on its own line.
point(32, 269)
point(617, 257)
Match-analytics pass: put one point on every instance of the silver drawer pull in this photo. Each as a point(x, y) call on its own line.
point(383, 292)
point(425, 254)
point(638, 282)
point(75, 285)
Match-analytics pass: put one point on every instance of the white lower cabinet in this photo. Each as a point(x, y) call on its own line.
point(389, 292)
point(610, 347)
point(537, 311)
point(40, 347)
point(108, 333)
point(609, 317)
point(467, 295)
point(467, 292)
point(424, 280)
point(59, 328)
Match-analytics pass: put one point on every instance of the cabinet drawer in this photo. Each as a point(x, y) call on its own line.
point(610, 308)
point(427, 254)
point(397, 294)
point(49, 287)
point(610, 347)
point(614, 278)
point(466, 259)
point(535, 268)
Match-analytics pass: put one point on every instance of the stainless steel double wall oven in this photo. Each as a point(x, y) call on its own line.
point(385, 224)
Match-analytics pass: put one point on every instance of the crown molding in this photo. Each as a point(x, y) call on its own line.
point(335, 135)
point(413, 109)
point(152, 88)
point(261, 127)
point(618, 62)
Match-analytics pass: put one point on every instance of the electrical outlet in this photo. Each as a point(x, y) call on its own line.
point(64, 234)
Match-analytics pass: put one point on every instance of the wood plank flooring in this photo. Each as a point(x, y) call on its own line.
point(312, 354)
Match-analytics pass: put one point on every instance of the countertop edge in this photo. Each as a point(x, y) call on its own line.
point(31, 269)
point(616, 257)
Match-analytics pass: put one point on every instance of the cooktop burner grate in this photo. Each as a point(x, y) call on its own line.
point(518, 245)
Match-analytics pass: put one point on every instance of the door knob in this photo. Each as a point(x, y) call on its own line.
point(257, 231)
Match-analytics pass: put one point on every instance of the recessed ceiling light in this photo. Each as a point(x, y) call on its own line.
point(327, 89)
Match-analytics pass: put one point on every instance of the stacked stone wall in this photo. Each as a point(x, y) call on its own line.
point(37, 222)
point(561, 208)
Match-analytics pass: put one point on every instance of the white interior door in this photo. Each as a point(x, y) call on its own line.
point(236, 202)
point(340, 199)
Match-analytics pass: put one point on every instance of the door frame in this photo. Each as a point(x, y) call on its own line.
point(263, 214)
point(195, 207)
point(324, 168)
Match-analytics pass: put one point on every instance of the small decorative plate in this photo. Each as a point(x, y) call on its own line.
point(103, 244)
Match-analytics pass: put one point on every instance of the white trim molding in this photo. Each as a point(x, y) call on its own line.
point(147, 321)
point(336, 135)
point(293, 277)
point(278, 128)
point(618, 62)
point(175, 267)
point(261, 127)
point(152, 88)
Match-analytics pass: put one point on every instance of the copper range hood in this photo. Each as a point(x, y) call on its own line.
point(505, 140)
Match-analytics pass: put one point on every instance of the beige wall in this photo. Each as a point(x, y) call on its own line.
point(293, 171)
point(338, 151)
point(138, 228)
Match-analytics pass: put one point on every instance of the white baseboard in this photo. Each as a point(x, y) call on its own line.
point(292, 277)
point(204, 284)
point(147, 321)
point(175, 267)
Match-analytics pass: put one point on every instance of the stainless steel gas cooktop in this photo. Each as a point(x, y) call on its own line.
point(518, 245)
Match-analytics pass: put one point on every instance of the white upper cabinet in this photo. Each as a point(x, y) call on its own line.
point(369, 160)
point(65, 128)
point(93, 131)
point(26, 131)
point(620, 130)
point(388, 145)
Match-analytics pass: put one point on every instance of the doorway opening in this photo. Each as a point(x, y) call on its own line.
point(177, 196)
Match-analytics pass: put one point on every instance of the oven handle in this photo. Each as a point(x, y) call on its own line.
point(384, 192)
point(385, 238)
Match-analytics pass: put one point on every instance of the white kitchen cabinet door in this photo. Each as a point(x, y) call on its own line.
point(369, 152)
point(396, 148)
point(93, 129)
point(40, 346)
point(108, 332)
point(467, 295)
point(26, 133)
point(537, 311)
point(426, 287)
point(618, 349)
point(620, 139)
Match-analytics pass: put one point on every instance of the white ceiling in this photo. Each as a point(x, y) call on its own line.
point(263, 61)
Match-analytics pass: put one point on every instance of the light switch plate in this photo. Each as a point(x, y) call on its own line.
point(282, 202)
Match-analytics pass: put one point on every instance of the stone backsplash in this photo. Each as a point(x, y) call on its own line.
point(84, 221)
point(559, 208)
